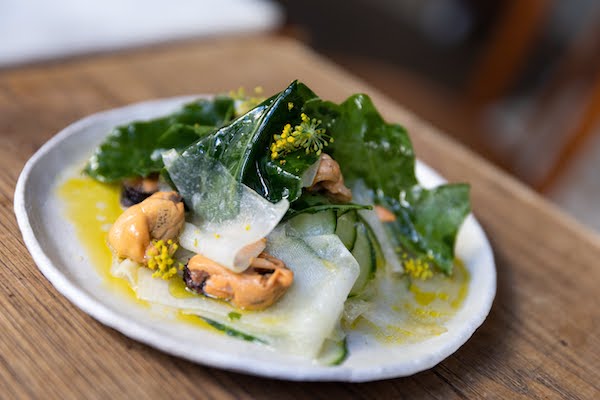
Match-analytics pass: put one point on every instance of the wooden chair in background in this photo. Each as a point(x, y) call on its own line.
point(566, 108)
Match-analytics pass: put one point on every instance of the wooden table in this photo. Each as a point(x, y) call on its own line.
point(541, 340)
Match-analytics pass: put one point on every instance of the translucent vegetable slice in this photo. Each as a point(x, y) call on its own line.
point(229, 216)
point(324, 272)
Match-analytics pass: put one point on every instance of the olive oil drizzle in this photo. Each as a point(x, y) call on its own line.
point(92, 207)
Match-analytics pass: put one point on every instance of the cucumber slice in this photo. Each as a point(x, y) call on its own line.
point(364, 253)
point(378, 251)
point(320, 223)
point(333, 352)
point(229, 331)
point(346, 228)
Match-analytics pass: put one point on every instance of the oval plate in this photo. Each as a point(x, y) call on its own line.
point(65, 263)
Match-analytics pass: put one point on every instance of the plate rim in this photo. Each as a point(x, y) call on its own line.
point(139, 332)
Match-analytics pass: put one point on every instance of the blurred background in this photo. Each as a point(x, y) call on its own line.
point(516, 81)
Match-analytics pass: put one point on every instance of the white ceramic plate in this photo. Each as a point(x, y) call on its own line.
point(52, 243)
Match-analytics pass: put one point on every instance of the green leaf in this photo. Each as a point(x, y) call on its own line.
point(365, 146)
point(381, 154)
point(178, 134)
point(134, 149)
point(311, 203)
point(428, 221)
point(242, 147)
point(285, 180)
point(212, 112)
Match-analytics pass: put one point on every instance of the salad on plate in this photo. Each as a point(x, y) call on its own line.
point(289, 221)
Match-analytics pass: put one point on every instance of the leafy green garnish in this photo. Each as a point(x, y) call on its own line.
point(311, 203)
point(242, 147)
point(365, 146)
point(134, 149)
point(428, 221)
point(231, 152)
point(381, 154)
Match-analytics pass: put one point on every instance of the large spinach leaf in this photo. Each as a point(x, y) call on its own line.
point(134, 149)
point(381, 154)
point(365, 146)
point(428, 221)
point(242, 147)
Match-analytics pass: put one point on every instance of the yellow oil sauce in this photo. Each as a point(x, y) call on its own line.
point(92, 207)
point(178, 289)
point(195, 321)
point(415, 310)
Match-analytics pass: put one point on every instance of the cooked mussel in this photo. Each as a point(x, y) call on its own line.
point(136, 190)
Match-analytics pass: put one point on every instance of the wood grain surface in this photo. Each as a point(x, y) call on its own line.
point(541, 340)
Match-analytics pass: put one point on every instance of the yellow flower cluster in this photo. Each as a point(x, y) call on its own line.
point(161, 261)
point(307, 136)
point(244, 102)
point(417, 268)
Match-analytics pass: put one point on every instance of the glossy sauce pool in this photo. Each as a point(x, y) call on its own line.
point(92, 207)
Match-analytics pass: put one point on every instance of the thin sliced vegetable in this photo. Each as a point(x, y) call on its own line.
point(334, 352)
point(346, 228)
point(321, 223)
point(229, 216)
point(232, 332)
point(324, 272)
point(310, 203)
point(387, 243)
point(364, 253)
